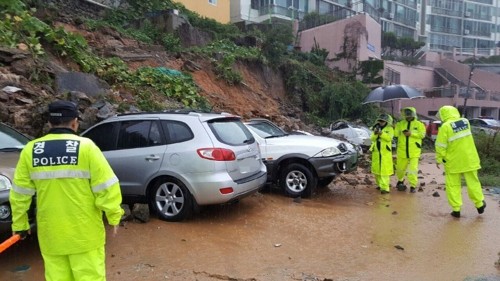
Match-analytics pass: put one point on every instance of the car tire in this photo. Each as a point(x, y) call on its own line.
point(171, 200)
point(297, 180)
point(324, 182)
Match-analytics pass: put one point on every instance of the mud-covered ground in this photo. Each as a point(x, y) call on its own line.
point(341, 233)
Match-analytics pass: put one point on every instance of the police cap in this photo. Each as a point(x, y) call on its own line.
point(63, 108)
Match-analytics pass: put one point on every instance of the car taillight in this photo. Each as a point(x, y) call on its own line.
point(216, 154)
point(226, 190)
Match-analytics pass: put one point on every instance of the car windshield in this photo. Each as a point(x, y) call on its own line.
point(10, 139)
point(266, 130)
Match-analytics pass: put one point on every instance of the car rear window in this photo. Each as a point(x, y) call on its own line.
point(231, 131)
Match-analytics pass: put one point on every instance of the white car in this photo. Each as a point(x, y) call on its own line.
point(351, 132)
point(300, 163)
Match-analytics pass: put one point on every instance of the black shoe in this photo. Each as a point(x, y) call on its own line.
point(456, 214)
point(401, 186)
point(413, 189)
point(480, 210)
point(384, 192)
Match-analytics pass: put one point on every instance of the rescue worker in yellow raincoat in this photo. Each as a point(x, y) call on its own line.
point(410, 132)
point(74, 185)
point(381, 148)
point(455, 149)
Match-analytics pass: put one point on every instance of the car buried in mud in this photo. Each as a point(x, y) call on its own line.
point(299, 164)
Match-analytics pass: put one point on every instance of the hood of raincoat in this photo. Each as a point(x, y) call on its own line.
point(409, 112)
point(385, 117)
point(448, 112)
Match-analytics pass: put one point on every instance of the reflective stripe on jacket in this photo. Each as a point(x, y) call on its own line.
point(455, 145)
point(74, 185)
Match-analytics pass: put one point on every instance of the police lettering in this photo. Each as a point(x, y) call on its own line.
point(459, 126)
point(56, 152)
point(53, 161)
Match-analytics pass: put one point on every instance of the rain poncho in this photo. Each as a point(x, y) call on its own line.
point(409, 147)
point(381, 149)
point(455, 146)
point(74, 185)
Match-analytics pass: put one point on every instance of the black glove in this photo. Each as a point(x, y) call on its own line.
point(23, 234)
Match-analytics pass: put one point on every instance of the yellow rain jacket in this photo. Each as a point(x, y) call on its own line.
point(74, 185)
point(381, 149)
point(455, 145)
point(409, 147)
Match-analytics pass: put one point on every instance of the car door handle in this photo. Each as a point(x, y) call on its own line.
point(152, 158)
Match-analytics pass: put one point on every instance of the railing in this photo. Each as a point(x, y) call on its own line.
point(291, 13)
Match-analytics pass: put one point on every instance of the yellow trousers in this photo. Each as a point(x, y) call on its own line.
point(454, 189)
point(87, 266)
point(409, 167)
point(382, 182)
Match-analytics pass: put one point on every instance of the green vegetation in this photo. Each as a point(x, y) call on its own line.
point(323, 94)
point(400, 49)
point(488, 148)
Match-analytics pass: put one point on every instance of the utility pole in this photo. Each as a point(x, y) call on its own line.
point(464, 112)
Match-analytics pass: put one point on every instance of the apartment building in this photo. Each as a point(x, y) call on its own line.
point(469, 26)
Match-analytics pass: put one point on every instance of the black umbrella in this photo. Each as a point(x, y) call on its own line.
point(392, 92)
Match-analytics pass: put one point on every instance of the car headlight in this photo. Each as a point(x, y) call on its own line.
point(327, 152)
point(5, 183)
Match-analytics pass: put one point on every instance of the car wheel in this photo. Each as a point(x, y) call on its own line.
point(324, 182)
point(297, 180)
point(171, 200)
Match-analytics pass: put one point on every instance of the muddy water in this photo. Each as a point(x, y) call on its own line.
point(342, 233)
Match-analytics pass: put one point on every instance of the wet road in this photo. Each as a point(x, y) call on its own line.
point(342, 233)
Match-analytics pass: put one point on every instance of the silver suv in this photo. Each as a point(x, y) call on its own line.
point(179, 160)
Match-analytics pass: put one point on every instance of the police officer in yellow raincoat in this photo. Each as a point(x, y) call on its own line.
point(381, 148)
point(409, 131)
point(74, 185)
point(455, 149)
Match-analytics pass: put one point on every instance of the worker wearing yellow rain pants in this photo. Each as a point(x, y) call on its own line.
point(409, 132)
point(381, 149)
point(74, 186)
point(455, 148)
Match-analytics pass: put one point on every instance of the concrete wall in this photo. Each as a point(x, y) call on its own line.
point(419, 77)
point(331, 37)
point(219, 12)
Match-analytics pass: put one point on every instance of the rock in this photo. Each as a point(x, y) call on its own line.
point(367, 180)
point(127, 216)
point(141, 212)
point(399, 247)
point(81, 82)
point(436, 194)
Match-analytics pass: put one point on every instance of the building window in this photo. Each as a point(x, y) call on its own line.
point(213, 2)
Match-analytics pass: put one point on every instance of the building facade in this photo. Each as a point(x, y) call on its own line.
point(465, 25)
point(218, 10)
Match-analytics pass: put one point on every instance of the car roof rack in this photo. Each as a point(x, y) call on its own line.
point(185, 111)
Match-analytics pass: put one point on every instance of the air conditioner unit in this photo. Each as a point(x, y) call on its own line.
point(391, 16)
point(468, 14)
point(466, 31)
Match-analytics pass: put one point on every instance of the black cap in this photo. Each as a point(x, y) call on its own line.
point(63, 108)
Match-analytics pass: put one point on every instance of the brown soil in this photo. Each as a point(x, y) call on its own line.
point(342, 233)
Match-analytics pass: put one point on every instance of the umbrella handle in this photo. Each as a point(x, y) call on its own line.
point(9, 242)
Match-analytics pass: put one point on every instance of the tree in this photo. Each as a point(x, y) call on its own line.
point(275, 44)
